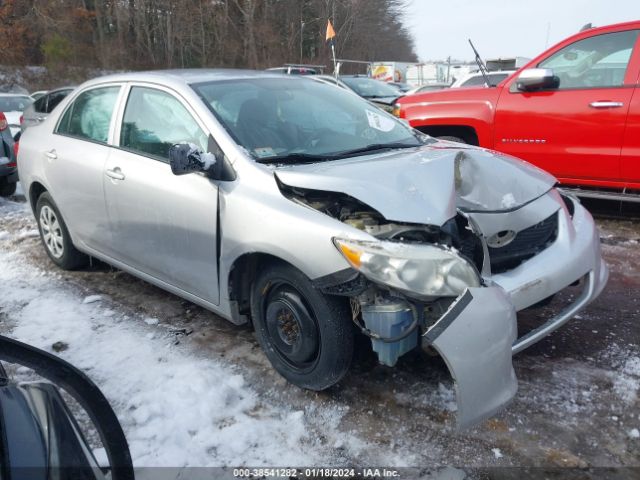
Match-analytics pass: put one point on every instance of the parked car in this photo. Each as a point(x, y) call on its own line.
point(573, 111)
point(43, 106)
point(403, 87)
point(40, 436)
point(12, 105)
point(476, 79)
point(381, 93)
point(8, 166)
point(382, 103)
point(297, 69)
point(431, 87)
point(37, 94)
point(299, 207)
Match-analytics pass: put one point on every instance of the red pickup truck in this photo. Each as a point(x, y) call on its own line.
point(573, 111)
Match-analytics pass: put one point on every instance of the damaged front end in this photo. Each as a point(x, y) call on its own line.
point(457, 240)
point(420, 286)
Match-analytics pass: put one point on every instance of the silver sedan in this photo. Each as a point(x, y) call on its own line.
point(315, 216)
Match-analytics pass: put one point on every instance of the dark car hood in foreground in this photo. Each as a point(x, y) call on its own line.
point(425, 185)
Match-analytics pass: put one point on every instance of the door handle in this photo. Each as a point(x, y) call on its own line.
point(116, 174)
point(41, 119)
point(51, 154)
point(606, 104)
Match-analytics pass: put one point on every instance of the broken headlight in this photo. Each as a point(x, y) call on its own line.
point(423, 270)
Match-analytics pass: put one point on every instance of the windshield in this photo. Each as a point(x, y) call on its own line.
point(370, 88)
point(14, 104)
point(296, 117)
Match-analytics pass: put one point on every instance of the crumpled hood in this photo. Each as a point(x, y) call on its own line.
point(425, 185)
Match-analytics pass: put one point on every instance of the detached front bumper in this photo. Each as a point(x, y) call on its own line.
point(477, 336)
point(574, 256)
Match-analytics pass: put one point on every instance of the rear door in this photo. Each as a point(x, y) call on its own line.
point(574, 131)
point(74, 161)
point(163, 225)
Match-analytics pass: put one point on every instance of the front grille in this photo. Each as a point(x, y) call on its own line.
point(526, 244)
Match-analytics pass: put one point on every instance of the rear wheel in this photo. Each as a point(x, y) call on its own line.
point(55, 236)
point(307, 336)
point(7, 188)
point(451, 138)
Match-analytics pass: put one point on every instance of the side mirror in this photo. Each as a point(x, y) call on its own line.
point(189, 158)
point(536, 79)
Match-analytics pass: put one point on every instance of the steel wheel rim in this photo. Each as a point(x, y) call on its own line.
point(51, 231)
point(298, 361)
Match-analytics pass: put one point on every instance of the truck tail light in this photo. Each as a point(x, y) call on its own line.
point(3, 122)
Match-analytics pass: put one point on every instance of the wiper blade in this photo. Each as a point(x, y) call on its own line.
point(373, 148)
point(293, 158)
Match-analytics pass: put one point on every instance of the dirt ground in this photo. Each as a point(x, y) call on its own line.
point(577, 404)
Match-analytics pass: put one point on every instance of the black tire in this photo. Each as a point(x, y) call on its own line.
point(7, 188)
point(451, 138)
point(306, 335)
point(57, 243)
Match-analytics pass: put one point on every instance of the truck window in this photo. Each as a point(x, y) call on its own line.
point(594, 62)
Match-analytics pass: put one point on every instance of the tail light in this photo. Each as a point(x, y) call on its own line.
point(21, 119)
point(16, 147)
point(3, 122)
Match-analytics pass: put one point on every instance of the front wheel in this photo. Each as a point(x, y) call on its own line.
point(55, 236)
point(306, 335)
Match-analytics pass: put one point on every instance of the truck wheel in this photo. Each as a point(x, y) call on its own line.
point(307, 336)
point(7, 188)
point(452, 139)
point(55, 236)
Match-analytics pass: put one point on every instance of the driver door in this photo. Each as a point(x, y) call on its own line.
point(162, 225)
point(574, 131)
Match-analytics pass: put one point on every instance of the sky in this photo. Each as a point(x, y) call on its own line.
point(505, 28)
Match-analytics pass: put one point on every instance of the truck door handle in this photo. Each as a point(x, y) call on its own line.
point(606, 104)
point(116, 174)
point(51, 154)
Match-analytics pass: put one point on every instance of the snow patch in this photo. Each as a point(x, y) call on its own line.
point(177, 409)
point(92, 299)
point(508, 201)
point(627, 383)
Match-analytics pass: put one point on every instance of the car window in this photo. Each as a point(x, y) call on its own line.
point(89, 115)
point(370, 88)
point(595, 62)
point(473, 82)
point(14, 103)
point(40, 105)
point(154, 121)
point(53, 99)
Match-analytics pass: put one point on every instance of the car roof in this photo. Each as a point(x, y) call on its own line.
point(188, 76)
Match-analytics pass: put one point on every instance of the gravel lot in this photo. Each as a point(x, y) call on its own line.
point(577, 405)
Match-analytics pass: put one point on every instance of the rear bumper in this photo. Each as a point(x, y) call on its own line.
point(10, 173)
